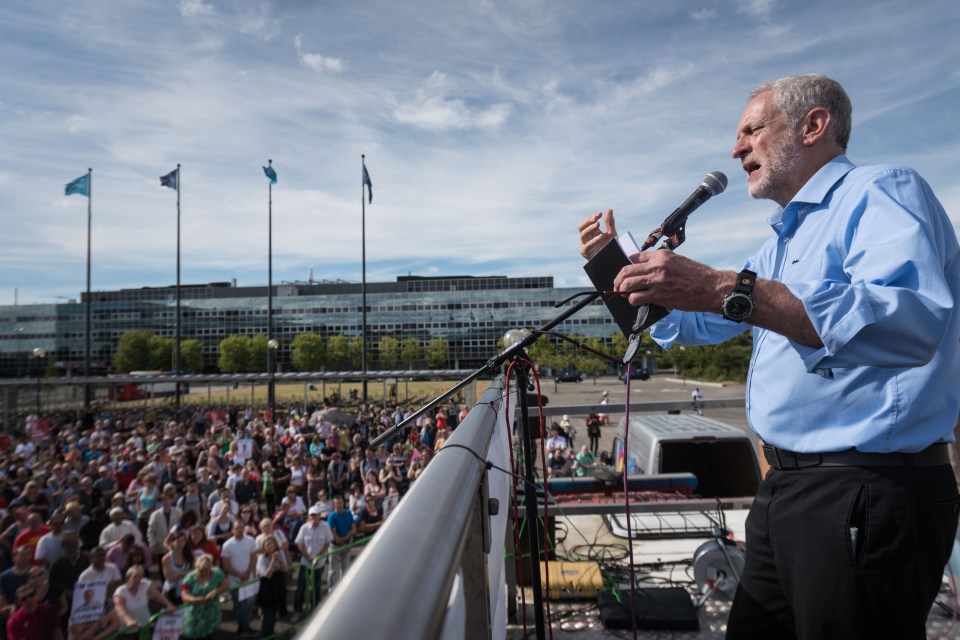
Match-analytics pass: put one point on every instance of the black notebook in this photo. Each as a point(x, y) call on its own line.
point(602, 269)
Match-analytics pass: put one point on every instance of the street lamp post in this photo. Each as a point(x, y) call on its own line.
point(272, 346)
point(18, 331)
point(39, 354)
point(683, 371)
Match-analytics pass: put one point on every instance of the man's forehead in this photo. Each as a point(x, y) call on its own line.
point(758, 111)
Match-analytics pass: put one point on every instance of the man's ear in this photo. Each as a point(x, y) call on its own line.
point(815, 126)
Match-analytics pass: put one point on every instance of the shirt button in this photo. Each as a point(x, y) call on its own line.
point(785, 239)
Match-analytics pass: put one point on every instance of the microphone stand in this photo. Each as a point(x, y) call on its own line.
point(493, 364)
point(517, 353)
point(530, 497)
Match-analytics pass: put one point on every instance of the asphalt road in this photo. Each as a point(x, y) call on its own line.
point(659, 388)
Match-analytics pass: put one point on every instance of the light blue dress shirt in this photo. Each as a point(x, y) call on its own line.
point(872, 256)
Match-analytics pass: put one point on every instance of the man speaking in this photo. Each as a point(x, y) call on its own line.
point(853, 385)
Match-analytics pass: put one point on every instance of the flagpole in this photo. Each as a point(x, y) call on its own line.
point(176, 346)
point(86, 347)
point(363, 284)
point(271, 398)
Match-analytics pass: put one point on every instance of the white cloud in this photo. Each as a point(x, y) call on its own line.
point(701, 15)
point(756, 8)
point(316, 61)
point(430, 108)
point(191, 8)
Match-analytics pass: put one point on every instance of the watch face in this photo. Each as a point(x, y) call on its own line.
point(738, 306)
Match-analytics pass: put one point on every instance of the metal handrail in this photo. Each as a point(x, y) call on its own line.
point(417, 552)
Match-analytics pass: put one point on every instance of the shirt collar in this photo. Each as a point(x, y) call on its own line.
point(814, 192)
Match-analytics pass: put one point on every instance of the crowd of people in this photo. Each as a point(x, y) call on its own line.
point(103, 515)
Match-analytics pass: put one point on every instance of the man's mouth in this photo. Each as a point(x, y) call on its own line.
point(750, 168)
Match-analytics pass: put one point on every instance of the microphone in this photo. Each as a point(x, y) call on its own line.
point(713, 184)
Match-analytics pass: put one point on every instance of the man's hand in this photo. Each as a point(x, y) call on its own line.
point(592, 238)
point(673, 281)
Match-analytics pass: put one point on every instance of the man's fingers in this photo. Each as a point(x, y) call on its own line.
point(610, 222)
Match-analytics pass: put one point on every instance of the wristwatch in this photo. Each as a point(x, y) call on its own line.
point(739, 304)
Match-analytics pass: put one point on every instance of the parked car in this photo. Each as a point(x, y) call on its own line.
point(570, 376)
point(637, 372)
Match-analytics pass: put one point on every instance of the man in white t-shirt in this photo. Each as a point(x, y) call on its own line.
point(100, 570)
point(48, 547)
point(313, 540)
point(239, 563)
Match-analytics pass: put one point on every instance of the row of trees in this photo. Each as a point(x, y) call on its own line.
point(144, 351)
point(141, 350)
point(727, 361)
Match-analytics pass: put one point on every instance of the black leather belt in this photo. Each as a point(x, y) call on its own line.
point(934, 455)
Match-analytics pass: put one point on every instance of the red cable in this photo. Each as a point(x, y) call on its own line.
point(626, 502)
point(543, 462)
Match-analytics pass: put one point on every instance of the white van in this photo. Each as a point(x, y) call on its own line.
point(723, 458)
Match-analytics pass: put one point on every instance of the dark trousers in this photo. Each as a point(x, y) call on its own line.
point(300, 595)
point(845, 552)
point(268, 621)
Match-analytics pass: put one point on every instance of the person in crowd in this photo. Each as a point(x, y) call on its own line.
point(343, 527)
point(295, 511)
point(175, 565)
point(226, 503)
point(99, 570)
point(191, 501)
point(201, 589)
point(13, 578)
point(118, 528)
point(127, 551)
point(238, 557)
point(313, 541)
point(146, 498)
point(162, 520)
point(198, 544)
point(65, 570)
point(370, 517)
point(373, 487)
point(247, 490)
point(268, 490)
point(34, 499)
point(49, 547)
point(586, 462)
point(316, 478)
point(337, 474)
point(272, 594)
point(593, 433)
point(557, 449)
point(30, 537)
point(220, 527)
point(248, 517)
point(33, 619)
point(13, 529)
point(131, 600)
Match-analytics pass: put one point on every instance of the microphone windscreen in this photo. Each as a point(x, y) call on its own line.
point(715, 182)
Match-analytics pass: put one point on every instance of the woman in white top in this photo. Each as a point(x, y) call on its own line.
point(131, 599)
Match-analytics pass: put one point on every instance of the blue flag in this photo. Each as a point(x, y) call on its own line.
point(366, 181)
point(171, 179)
point(81, 185)
point(270, 173)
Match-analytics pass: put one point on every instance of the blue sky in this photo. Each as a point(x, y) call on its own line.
point(490, 128)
